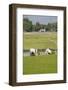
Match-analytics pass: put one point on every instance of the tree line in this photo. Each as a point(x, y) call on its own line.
point(29, 27)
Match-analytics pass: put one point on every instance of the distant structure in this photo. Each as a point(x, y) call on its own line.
point(42, 30)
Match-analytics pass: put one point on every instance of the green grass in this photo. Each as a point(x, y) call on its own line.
point(40, 40)
point(40, 64)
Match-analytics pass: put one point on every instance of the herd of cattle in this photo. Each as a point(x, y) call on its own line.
point(36, 52)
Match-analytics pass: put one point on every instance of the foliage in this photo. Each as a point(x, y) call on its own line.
point(51, 27)
point(29, 27)
point(38, 26)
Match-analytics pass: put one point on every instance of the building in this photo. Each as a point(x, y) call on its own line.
point(42, 30)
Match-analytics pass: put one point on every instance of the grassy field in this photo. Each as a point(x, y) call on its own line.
point(40, 40)
point(40, 64)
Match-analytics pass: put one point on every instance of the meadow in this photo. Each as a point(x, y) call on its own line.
point(40, 40)
point(40, 64)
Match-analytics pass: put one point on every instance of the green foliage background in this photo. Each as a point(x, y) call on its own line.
point(29, 27)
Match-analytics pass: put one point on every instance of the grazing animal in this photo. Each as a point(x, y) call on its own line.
point(48, 51)
point(33, 52)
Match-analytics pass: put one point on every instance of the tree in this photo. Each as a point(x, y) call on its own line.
point(48, 27)
point(33, 27)
point(51, 27)
point(27, 25)
point(38, 26)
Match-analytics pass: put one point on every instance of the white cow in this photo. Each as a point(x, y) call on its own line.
point(48, 51)
point(33, 52)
